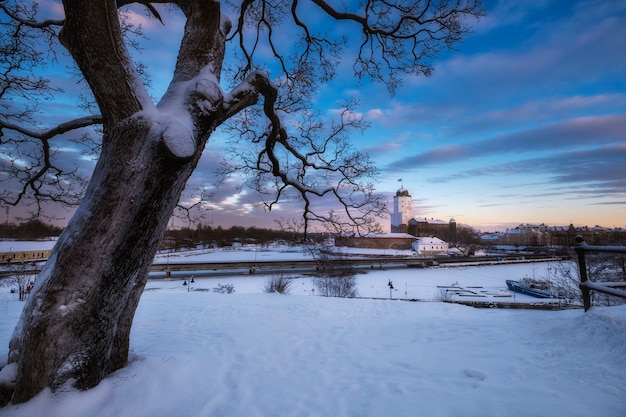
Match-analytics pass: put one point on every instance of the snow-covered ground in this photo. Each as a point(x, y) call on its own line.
point(198, 353)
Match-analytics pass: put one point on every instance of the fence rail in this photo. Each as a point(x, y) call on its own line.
point(586, 285)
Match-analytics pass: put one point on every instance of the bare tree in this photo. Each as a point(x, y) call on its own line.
point(336, 276)
point(293, 226)
point(22, 277)
point(76, 323)
point(342, 286)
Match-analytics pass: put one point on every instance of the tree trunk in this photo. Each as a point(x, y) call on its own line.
point(77, 321)
point(75, 327)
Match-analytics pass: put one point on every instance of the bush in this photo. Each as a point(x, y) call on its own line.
point(444, 296)
point(224, 288)
point(280, 284)
point(337, 277)
point(343, 286)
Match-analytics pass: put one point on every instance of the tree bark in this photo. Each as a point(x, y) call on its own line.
point(76, 325)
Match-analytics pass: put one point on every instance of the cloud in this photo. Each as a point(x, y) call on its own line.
point(578, 132)
point(508, 13)
point(51, 9)
point(609, 203)
point(396, 144)
point(596, 172)
point(385, 147)
point(139, 15)
point(551, 55)
point(536, 111)
point(374, 114)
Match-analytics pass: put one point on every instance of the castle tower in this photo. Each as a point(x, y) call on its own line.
point(452, 237)
point(402, 211)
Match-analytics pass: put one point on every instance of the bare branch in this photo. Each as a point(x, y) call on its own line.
point(298, 157)
point(307, 166)
point(50, 133)
point(29, 21)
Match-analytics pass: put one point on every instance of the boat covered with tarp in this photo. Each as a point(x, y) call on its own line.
point(532, 287)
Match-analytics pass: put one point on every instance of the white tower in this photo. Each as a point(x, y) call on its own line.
point(402, 211)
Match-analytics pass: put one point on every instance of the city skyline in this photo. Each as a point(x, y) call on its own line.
point(525, 122)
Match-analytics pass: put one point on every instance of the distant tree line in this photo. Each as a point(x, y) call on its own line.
point(32, 229)
point(219, 236)
point(175, 238)
point(467, 235)
point(206, 234)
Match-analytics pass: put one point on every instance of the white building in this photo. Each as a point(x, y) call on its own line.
point(430, 246)
point(25, 251)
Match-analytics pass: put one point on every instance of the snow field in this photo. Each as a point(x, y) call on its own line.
point(198, 354)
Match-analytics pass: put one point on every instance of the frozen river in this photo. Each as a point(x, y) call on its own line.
point(425, 284)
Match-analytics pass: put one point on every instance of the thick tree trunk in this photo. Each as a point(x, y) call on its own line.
point(75, 327)
point(77, 322)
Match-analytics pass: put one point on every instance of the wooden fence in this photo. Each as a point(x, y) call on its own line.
point(586, 282)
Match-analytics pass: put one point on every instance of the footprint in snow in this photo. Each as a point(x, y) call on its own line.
point(478, 375)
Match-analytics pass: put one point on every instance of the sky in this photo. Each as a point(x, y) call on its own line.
point(524, 122)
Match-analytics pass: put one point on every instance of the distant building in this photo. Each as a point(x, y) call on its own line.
point(559, 236)
point(422, 226)
point(12, 251)
point(403, 221)
point(430, 246)
point(397, 241)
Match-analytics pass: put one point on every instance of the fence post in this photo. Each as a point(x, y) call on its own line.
point(582, 266)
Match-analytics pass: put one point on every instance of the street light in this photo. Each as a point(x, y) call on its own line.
point(191, 281)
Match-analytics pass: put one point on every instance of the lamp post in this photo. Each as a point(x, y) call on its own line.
point(390, 284)
point(191, 281)
point(256, 249)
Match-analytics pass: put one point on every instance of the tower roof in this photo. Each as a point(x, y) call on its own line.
point(403, 192)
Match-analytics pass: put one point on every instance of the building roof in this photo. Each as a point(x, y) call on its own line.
point(23, 246)
point(403, 192)
point(382, 235)
point(430, 241)
point(430, 221)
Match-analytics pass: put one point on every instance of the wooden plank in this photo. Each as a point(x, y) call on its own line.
point(614, 284)
point(603, 288)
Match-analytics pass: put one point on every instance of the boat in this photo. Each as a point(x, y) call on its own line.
point(539, 289)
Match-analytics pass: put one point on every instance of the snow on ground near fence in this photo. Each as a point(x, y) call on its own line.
point(198, 353)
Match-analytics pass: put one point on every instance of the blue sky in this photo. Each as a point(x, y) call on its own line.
point(525, 122)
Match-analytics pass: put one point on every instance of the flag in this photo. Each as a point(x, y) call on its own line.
point(399, 179)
